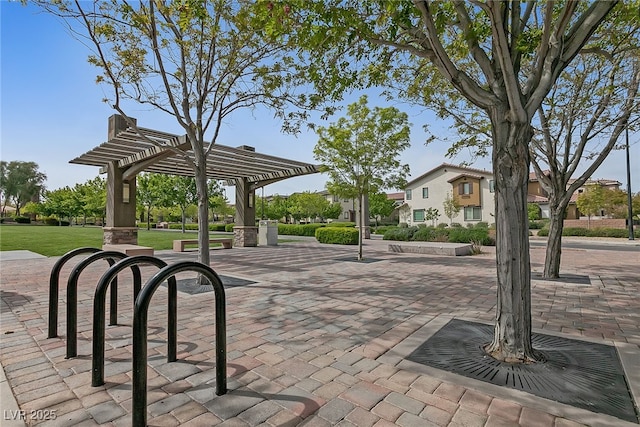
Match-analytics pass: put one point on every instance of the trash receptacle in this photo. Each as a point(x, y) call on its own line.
point(268, 233)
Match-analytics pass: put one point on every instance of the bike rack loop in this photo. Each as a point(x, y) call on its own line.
point(72, 296)
point(54, 286)
point(139, 389)
point(98, 354)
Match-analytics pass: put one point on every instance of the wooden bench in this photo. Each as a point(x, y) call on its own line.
point(179, 245)
point(130, 250)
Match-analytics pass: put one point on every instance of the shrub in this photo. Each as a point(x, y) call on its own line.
point(543, 232)
point(400, 233)
point(217, 227)
point(337, 235)
point(55, 222)
point(443, 225)
point(456, 225)
point(477, 235)
point(178, 226)
point(229, 227)
point(49, 220)
point(341, 224)
point(430, 234)
point(535, 225)
point(574, 231)
point(300, 229)
point(22, 220)
point(383, 229)
point(403, 225)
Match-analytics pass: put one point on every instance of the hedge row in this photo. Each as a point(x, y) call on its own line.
point(337, 235)
point(309, 229)
point(477, 233)
point(593, 232)
point(193, 227)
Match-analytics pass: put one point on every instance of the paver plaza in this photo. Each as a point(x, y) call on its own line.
point(315, 341)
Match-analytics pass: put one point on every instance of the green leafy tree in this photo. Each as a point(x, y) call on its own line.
point(591, 201)
point(217, 200)
point(20, 182)
point(332, 211)
point(380, 205)
point(451, 207)
point(615, 203)
point(277, 208)
point(307, 205)
point(360, 153)
point(149, 187)
point(181, 192)
point(533, 211)
point(60, 203)
point(500, 58)
point(196, 61)
point(91, 198)
point(432, 214)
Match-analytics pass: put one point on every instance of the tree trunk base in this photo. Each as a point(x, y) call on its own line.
point(535, 356)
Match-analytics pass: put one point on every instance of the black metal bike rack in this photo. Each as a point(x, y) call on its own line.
point(54, 286)
point(98, 354)
point(139, 395)
point(72, 296)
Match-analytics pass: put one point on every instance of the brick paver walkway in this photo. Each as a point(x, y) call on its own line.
point(308, 344)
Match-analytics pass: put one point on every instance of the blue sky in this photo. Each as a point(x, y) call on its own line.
point(51, 112)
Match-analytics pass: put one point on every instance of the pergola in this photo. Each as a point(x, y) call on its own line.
point(129, 151)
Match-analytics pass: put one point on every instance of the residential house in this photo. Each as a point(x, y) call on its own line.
point(349, 206)
point(472, 187)
point(536, 194)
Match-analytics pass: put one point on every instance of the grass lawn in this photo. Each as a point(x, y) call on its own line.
point(56, 241)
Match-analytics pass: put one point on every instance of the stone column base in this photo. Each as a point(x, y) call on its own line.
point(367, 231)
point(245, 236)
point(120, 235)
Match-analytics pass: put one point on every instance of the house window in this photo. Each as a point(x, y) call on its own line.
point(336, 198)
point(418, 215)
point(465, 188)
point(472, 213)
point(425, 192)
point(492, 186)
point(345, 215)
point(407, 194)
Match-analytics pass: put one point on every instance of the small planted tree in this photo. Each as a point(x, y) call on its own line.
point(380, 206)
point(432, 214)
point(360, 153)
point(591, 201)
point(451, 207)
point(180, 191)
point(196, 61)
point(149, 188)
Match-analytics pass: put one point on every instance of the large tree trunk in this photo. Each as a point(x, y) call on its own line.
point(361, 231)
point(203, 207)
point(512, 336)
point(554, 241)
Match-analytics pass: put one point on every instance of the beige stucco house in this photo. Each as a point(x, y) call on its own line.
point(472, 187)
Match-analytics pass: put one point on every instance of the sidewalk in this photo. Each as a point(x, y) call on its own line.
point(313, 342)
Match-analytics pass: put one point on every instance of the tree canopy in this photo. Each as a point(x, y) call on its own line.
point(20, 182)
point(501, 57)
point(360, 153)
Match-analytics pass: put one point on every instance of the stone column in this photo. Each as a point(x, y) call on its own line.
point(245, 232)
point(120, 227)
point(364, 208)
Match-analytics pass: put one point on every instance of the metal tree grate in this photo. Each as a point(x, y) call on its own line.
point(578, 373)
point(191, 286)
